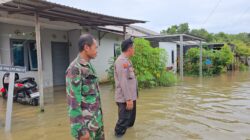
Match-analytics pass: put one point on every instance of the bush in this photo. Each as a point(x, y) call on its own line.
point(167, 79)
point(242, 49)
point(149, 64)
point(220, 60)
point(110, 71)
point(243, 67)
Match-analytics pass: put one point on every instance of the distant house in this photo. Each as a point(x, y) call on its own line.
point(172, 43)
point(210, 46)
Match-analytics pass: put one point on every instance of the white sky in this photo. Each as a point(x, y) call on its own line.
point(230, 16)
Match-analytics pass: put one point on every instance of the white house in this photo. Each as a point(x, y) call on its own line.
point(61, 27)
point(171, 50)
point(175, 46)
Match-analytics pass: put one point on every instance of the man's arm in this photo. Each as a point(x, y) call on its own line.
point(74, 96)
point(122, 75)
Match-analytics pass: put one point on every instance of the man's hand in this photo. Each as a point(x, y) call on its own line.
point(129, 104)
point(85, 137)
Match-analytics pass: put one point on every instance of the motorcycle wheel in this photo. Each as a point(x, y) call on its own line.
point(35, 102)
point(4, 95)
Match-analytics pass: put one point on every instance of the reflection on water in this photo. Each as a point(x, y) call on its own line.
point(214, 108)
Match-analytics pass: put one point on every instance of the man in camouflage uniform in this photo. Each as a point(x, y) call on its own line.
point(125, 88)
point(84, 104)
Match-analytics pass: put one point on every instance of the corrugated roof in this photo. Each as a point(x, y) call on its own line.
point(144, 30)
point(174, 37)
point(187, 39)
point(58, 12)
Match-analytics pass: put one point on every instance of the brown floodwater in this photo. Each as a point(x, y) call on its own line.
point(211, 108)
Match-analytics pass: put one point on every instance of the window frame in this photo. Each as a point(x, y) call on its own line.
point(31, 67)
point(172, 56)
point(26, 51)
point(116, 46)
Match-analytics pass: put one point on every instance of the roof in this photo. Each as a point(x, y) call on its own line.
point(113, 31)
point(58, 12)
point(187, 39)
point(175, 37)
point(144, 30)
point(132, 30)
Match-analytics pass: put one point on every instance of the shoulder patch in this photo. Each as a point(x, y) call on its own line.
point(125, 65)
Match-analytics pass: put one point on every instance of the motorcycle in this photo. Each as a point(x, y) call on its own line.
point(25, 90)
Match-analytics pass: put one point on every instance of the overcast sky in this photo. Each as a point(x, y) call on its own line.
point(230, 16)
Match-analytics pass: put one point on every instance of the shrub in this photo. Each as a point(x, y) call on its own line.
point(149, 64)
point(220, 60)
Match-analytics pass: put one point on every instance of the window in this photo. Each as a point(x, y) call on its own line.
point(32, 56)
point(23, 53)
point(18, 53)
point(172, 57)
point(117, 50)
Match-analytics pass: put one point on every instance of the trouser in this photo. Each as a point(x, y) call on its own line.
point(99, 135)
point(126, 118)
point(95, 135)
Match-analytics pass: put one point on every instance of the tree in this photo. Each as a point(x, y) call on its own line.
point(222, 37)
point(203, 33)
point(177, 29)
point(183, 28)
point(170, 30)
point(241, 48)
point(245, 37)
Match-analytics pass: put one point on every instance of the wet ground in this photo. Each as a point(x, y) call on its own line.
point(212, 108)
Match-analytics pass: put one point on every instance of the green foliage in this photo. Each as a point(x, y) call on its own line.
point(110, 71)
point(170, 30)
point(209, 37)
point(243, 67)
point(177, 29)
point(241, 48)
point(167, 79)
point(220, 60)
point(183, 28)
point(150, 66)
point(241, 42)
point(203, 34)
point(224, 56)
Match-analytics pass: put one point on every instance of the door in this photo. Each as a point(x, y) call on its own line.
point(60, 62)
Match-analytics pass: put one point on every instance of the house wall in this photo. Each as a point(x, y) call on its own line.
point(7, 32)
point(248, 61)
point(105, 52)
point(169, 47)
point(105, 49)
point(48, 36)
point(73, 48)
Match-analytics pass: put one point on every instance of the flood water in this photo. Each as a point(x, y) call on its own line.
point(215, 108)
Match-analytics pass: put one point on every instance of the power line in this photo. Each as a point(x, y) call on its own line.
point(242, 15)
point(237, 20)
point(211, 13)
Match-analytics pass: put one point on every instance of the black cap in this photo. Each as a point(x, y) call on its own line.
point(126, 44)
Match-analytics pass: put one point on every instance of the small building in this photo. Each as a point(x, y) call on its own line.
point(171, 43)
point(175, 45)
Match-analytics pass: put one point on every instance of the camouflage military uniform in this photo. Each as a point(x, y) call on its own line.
point(84, 104)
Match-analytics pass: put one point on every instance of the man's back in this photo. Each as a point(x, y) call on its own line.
point(125, 88)
point(125, 80)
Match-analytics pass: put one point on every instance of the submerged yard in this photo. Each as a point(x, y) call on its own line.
point(212, 108)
